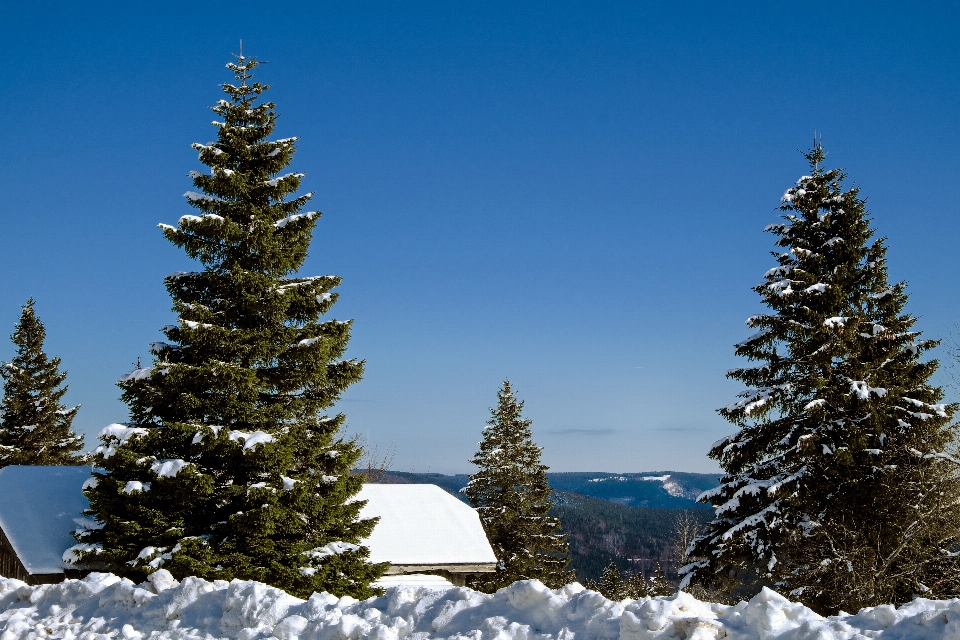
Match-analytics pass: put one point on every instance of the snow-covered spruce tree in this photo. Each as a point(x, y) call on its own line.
point(229, 467)
point(511, 494)
point(840, 487)
point(34, 425)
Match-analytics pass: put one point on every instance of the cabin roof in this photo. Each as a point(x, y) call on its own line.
point(38, 508)
point(422, 524)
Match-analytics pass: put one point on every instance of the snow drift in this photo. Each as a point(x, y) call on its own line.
point(104, 606)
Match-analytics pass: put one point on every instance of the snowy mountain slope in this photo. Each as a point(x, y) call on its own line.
point(103, 606)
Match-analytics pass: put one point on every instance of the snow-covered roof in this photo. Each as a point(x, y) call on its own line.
point(422, 524)
point(38, 506)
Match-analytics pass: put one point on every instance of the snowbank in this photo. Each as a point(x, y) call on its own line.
point(103, 606)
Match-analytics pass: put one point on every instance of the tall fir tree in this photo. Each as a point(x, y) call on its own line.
point(230, 466)
point(511, 494)
point(840, 488)
point(35, 428)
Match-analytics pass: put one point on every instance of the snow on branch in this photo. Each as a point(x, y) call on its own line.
point(115, 435)
point(780, 287)
point(862, 390)
point(136, 374)
point(756, 519)
point(207, 147)
point(206, 216)
point(135, 486)
point(168, 468)
point(883, 294)
point(72, 555)
point(755, 398)
point(193, 196)
point(778, 272)
point(200, 435)
point(280, 224)
point(939, 409)
point(331, 549)
point(275, 181)
point(251, 439)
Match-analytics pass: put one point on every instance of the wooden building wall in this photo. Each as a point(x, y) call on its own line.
point(11, 567)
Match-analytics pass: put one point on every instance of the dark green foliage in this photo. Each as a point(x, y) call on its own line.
point(511, 494)
point(34, 425)
point(839, 487)
point(230, 467)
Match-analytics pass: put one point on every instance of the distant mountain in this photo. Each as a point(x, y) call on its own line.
point(658, 489)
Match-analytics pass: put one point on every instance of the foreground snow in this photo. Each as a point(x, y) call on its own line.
point(103, 606)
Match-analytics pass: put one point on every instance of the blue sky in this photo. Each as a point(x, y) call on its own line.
point(571, 195)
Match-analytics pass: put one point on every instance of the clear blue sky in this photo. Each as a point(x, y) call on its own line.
point(568, 195)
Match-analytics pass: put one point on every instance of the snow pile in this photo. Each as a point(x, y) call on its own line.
point(103, 606)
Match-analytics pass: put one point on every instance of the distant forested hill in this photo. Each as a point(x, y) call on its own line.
point(661, 489)
point(629, 518)
point(601, 532)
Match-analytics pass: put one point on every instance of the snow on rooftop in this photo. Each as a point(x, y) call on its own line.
point(423, 524)
point(38, 508)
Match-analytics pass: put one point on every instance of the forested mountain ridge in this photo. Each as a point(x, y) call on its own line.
point(659, 489)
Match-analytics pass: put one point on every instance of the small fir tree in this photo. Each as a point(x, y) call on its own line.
point(612, 585)
point(840, 489)
point(35, 428)
point(511, 494)
point(658, 585)
point(637, 586)
point(230, 467)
